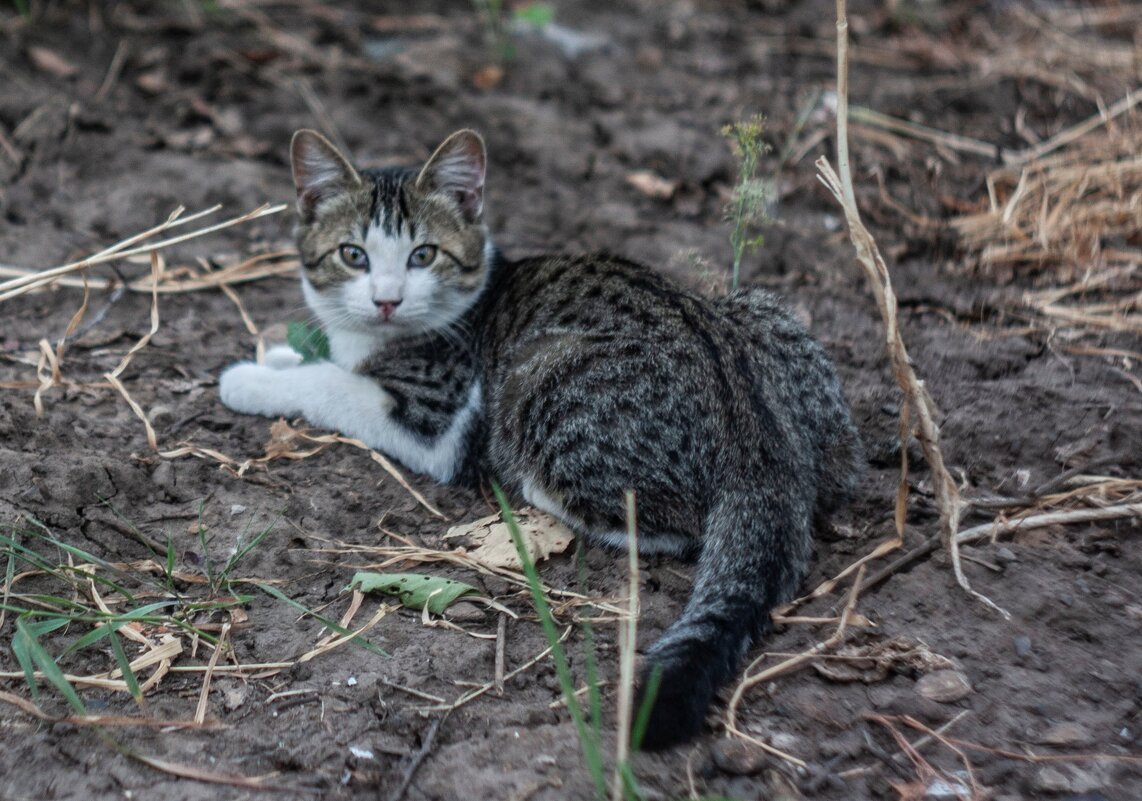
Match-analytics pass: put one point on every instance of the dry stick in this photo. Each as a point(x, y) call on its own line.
point(56, 357)
point(243, 272)
point(628, 639)
point(789, 665)
point(113, 376)
point(379, 458)
point(1049, 519)
point(1023, 756)
point(868, 255)
point(26, 277)
point(208, 676)
point(472, 695)
point(425, 748)
point(113, 70)
point(501, 640)
point(23, 284)
point(28, 708)
point(977, 147)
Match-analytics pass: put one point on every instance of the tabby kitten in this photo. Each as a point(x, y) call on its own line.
point(568, 379)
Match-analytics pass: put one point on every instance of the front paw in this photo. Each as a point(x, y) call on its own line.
point(253, 389)
point(280, 357)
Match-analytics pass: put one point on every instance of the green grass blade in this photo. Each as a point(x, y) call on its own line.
point(112, 624)
point(642, 716)
point(125, 668)
point(590, 666)
point(43, 660)
point(592, 753)
point(22, 652)
point(274, 592)
point(239, 554)
point(168, 567)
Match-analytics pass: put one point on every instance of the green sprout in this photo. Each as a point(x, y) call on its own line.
point(747, 209)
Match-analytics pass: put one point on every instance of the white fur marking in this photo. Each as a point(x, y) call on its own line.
point(329, 396)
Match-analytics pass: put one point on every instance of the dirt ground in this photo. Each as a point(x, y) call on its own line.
point(113, 114)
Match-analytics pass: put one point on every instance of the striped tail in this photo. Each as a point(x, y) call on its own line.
point(755, 551)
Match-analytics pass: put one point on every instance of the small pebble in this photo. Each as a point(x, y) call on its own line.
point(1022, 647)
point(163, 475)
point(465, 612)
point(738, 757)
point(1005, 555)
point(236, 509)
point(1066, 734)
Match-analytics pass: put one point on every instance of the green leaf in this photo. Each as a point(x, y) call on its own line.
point(538, 14)
point(125, 668)
point(309, 343)
point(47, 665)
point(415, 590)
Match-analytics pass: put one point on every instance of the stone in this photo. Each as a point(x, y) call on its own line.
point(738, 757)
point(1066, 734)
point(465, 612)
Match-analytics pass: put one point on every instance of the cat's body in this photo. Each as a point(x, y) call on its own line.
point(569, 380)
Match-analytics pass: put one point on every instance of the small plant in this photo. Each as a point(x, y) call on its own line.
point(498, 25)
point(623, 784)
point(748, 208)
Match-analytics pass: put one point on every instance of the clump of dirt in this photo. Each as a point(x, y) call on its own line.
point(192, 105)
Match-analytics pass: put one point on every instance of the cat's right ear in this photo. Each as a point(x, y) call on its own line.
point(319, 171)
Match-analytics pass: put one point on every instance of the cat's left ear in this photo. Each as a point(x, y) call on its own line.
point(457, 169)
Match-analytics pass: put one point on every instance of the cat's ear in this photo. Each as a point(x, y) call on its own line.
point(319, 171)
point(457, 169)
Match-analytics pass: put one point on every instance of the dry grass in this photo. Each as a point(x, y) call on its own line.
point(1073, 218)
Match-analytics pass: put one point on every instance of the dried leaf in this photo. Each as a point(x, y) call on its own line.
point(50, 61)
point(284, 439)
point(415, 590)
point(492, 541)
point(944, 686)
point(488, 77)
point(652, 185)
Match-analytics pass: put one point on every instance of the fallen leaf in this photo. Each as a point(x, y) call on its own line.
point(491, 540)
point(652, 185)
point(283, 439)
point(415, 590)
point(944, 686)
point(488, 77)
point(50, 61)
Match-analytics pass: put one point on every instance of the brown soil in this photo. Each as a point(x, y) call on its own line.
point(201, 112)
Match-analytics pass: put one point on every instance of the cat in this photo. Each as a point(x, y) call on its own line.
point(569, 380)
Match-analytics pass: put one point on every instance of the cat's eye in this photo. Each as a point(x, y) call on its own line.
point(422, 256)
point(354, 256)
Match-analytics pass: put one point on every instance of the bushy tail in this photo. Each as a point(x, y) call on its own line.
point(755, 551)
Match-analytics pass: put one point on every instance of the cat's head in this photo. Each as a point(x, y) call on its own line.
point(393, 251)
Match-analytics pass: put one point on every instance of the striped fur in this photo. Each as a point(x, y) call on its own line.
point(571, 379)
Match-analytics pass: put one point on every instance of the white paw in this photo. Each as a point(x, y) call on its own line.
point(279, 357)
point(254, 389)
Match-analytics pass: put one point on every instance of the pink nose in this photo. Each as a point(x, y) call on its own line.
point(386, 308)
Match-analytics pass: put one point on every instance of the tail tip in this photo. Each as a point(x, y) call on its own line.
point(678, 710)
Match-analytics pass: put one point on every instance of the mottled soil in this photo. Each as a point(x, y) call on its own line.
point(200, 111)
